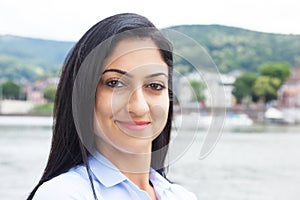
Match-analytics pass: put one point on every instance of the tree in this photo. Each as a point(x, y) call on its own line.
point(10, 90)
point(280, 70)
point(243, 86)
point(198, 88)
point(49, 93)
point(265, 88)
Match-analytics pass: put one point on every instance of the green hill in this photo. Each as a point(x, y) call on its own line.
point(231, 48)
point(29, 58)
point(240, 49)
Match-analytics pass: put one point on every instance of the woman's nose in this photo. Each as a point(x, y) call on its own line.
point(137, 103)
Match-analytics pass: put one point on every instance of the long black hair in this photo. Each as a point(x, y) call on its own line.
point(67, 149)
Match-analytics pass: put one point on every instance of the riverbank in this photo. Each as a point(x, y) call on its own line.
point(24, 108)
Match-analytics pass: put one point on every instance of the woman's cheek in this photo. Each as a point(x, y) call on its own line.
point(160, 109)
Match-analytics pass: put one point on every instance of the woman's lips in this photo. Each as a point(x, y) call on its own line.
point(134, 125)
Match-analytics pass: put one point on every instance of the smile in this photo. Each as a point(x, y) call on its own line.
point(134, 125)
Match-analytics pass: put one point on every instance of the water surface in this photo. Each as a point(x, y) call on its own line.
point(259, 163)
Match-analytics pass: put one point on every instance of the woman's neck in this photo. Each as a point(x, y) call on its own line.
point(135, 166)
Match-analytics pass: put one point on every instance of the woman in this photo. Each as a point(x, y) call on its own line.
point(113, 113)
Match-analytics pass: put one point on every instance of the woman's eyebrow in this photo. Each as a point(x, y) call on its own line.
point(157, 74)
point(118, 71)
point(129, 75)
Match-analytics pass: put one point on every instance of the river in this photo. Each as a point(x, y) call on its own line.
point(259, 163)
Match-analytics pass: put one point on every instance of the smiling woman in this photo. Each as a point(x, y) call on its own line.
point(132, 99)
point(112, 118)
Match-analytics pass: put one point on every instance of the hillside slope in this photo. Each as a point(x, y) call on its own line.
point(239, 49)
point(31, 58)
point(231, 48)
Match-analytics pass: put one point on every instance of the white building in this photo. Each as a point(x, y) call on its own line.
point(218, 92)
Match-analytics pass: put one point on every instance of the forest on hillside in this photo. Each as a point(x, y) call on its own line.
point(29, 59)
point(244, 50)
point(231, 49)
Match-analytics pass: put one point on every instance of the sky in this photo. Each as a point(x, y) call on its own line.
point(68, 20)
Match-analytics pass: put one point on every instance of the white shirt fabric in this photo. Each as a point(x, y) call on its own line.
point(109, 183)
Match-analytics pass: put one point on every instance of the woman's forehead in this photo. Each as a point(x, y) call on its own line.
point(133, 48)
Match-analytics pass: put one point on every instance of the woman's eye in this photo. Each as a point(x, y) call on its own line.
point(115, 84)
point(156, 86)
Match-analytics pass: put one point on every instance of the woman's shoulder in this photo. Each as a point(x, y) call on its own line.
point(73, 184)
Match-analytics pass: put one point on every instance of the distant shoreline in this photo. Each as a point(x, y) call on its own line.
point(27, 115)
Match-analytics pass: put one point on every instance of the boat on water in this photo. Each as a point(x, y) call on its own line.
point(285, 116)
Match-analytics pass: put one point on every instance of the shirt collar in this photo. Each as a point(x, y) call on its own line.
point(109, 175)
point(104, 171)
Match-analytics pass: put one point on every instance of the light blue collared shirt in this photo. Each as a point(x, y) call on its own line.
point(109, 183)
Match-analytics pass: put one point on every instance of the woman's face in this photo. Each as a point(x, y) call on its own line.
point(132, 99)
